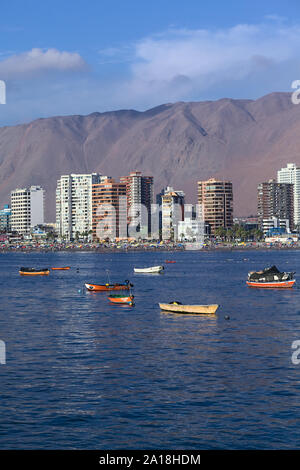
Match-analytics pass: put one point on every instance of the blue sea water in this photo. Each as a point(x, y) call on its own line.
point(81, 373)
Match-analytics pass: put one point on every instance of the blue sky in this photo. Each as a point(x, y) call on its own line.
point(77, 57)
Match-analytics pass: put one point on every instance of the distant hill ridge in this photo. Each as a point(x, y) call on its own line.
point(245, 141)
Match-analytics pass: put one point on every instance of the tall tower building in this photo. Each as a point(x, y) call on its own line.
point(139, 192)
point(27, 208)
point(109, 210)
point(275, 200)
point(216, 198)
point(172, 210)
point(291, 174)
point(74, 204)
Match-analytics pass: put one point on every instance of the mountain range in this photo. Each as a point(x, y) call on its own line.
point(244, 141)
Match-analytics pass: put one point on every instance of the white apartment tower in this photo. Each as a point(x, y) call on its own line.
point(74, 204)
point(172, 209)
point(291, 174)
point(27, 208)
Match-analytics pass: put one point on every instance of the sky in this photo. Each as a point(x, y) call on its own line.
point(78, 57)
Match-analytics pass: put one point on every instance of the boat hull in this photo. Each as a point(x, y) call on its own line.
point(106, 288)
point(151, 270)
point(194, 309)
point(118, 299)
point(275, 284)
point(37, 273)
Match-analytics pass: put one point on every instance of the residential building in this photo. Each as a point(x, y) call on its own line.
point(172, 208)
point(275, 225)
point(216, 198)
point(109, 210)
point(275, 200)
point(139, 190)
point(5, 219)
point(74, 204)
point(291, 174)
point(27, 208)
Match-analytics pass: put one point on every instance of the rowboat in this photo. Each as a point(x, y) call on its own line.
point(108, 287)
point(121, 299)
point(64, 268)
point(151, 270)
point(271, 278)
point(34, 272)
point(177, 307)
point(275, 284)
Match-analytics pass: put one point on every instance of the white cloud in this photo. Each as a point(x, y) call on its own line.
point(38, 60)
point(207, 57)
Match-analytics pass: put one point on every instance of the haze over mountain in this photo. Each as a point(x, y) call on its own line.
point(245, 141)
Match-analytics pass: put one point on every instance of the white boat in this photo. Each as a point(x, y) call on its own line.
point(151, 270)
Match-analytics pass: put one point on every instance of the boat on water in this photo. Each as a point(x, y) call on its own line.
point(108, 287)
point(169, 261)
point(63, 268)
point(33, 272)
point(121, 299)
point(271, 278)
point(177, 307)
point(150, 270)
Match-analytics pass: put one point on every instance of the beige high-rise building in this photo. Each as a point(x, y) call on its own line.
point(109, 210)
point(27, 208)
point(216, 198)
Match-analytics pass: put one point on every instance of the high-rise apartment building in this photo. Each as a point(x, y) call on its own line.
point(275, 200)
point(109, 210)
point(291, 174)
point(139, 190)
point(172, 209)
point(5, 219)
point(216, 198)
point(74, 204)
point(27, 208)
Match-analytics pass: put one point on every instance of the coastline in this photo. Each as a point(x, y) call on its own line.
point(73, 248)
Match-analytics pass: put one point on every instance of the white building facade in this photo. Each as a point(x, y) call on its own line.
point(27, 208)
point(291, 174)
point(172, 210)
point(74, 204)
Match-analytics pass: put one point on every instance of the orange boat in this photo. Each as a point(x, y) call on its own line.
point(108, 287)
point(121, 299)
point(277, 284)
point(64, 268)
point(33, 272)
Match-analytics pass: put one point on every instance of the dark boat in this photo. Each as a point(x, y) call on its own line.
point(271, 277)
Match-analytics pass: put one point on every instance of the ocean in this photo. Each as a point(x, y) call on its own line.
point(81, 373)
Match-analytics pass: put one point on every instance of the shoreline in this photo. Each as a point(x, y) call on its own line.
point(164, 249)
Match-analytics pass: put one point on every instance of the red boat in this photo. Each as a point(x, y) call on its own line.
point(108, 287)
point(64, 268)
point(277, 284)
point(170, 261)
point(271, 278)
